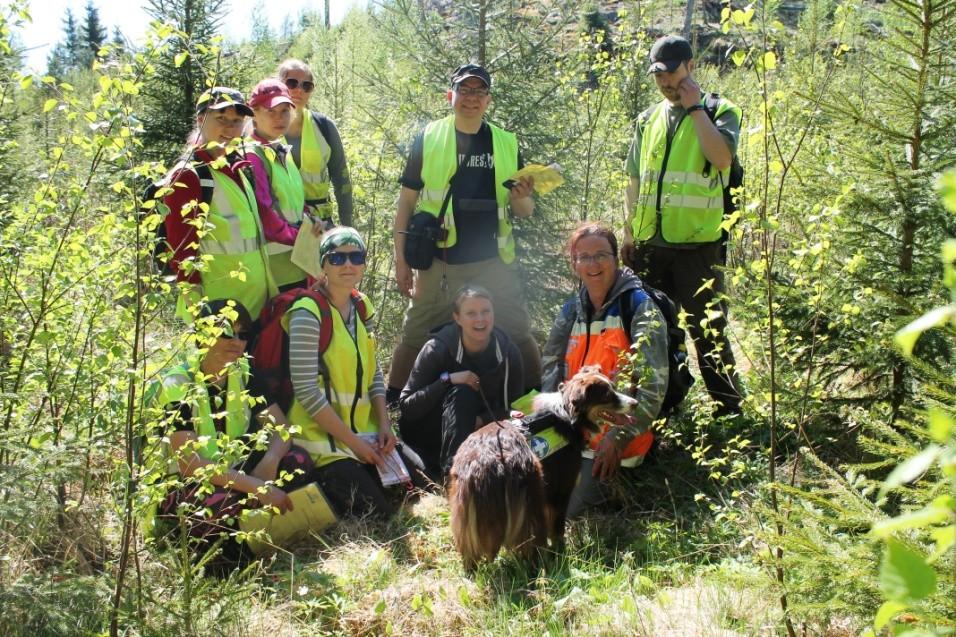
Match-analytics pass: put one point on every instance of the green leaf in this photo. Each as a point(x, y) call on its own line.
point(180, 58)
point(947, 189)
point(770, 60)
point(739, 57)
point(941, 425)
point(49, 105)
point(911, 468)
point(945, 538)
point(906, 338)
point(887, 611)
point(904, 574)
point(935, 513)
point(380, 607)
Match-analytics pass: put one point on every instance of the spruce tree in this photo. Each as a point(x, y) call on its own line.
point(65, 54)
point(92, 35)
point(170, 97)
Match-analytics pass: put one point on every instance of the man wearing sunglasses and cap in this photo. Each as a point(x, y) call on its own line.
point(471, 161)
point(678, 164)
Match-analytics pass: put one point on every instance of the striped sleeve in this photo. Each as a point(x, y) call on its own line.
point(304, 371)
point(378, 380)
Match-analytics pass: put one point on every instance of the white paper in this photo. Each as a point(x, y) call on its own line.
point(305, 252)
point(395, 471)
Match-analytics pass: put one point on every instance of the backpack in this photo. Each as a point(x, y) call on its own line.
point(679, 378)
point(153, 195)
point(270, 352)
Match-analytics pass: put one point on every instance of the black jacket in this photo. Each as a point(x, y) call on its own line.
point(499, 369)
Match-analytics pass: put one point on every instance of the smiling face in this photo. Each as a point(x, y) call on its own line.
point(272, 123)
point(221, 125)
point(469, 104)
point(476, 317)
point(595, 264)
point(347, 275)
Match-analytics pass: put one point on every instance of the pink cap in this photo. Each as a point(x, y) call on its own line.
point(270, 93)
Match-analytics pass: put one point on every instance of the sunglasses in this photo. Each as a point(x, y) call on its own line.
point(339, 258)
point(293, 84)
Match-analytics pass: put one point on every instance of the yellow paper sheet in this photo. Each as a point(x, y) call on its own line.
point(310, 512)
point(305, 252)
point(546, 178)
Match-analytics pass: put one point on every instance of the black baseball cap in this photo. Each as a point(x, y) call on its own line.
point(465, 71)
point(220, 97)
point(668, 53)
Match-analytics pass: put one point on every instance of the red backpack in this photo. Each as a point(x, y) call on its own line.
point(270, 353)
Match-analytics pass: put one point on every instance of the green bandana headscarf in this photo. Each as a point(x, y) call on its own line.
point(338, 237)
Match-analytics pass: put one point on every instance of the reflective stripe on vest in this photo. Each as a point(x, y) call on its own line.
point(439, 163)
point(180, 386)
point(233, 236)
point(349, 394)
point(314, 154)
point(691, 203)
point(605, 343)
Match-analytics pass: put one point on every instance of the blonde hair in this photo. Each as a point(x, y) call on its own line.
point(293, 64)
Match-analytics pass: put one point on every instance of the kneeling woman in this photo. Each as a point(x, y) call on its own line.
point(465, 376)
point(339, 393)
point(209, 416)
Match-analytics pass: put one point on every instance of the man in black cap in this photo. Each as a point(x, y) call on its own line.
point(472, 161)
point(678, 164)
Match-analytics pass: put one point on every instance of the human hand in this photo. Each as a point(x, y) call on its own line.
point(318, 227)
point(366, 453)
point(386, 441)
point(689, 91)
point(607, 459)
point(272, 496)
point(523, 187)
point(403, 277)
point(465, 378)
point(629, 253)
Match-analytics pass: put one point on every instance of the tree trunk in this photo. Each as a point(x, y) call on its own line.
point(328, 19)
point(688, 18)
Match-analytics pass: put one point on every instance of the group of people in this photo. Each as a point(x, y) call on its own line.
point(466, 355)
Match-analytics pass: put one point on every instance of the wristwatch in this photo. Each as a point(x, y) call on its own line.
point(445, 377)
point(695, 107)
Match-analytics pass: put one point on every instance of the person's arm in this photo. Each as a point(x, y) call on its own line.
point(632, 166)
point(553, 367)
point(411, 181)
point(190, 463)
point(407, 199)
point(267, 468)
point(712, 143)
point(338, 171)
point(522, 203)
point(304, 331)
point(376, 395)
point(181, 224)
point(425, 390)
point(274, 226)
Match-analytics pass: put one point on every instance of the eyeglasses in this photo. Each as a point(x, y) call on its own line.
point(293, 84)
point(467, 91)
point(593, 258)
point(339, 258)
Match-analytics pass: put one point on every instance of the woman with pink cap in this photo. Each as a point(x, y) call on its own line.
point(278, 182)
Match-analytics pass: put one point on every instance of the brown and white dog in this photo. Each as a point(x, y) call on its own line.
point(502, 495)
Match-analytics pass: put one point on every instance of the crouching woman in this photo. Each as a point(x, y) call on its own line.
point(339, 392)
point(214, 418)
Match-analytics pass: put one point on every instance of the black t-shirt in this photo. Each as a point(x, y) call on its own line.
point(472, 194)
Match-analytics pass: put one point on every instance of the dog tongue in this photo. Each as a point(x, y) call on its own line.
point(618, 418)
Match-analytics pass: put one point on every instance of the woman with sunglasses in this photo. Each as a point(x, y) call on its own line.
point(611, 322)
point(316, 148)
point(211, 431)
point(229, 260)
point(339, 394)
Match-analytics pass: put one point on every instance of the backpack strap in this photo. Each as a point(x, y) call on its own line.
point(711, 102)
point(206, 182)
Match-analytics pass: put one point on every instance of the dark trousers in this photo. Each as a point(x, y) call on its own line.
point(680, 274)
point(437, 436)
point(354, 489)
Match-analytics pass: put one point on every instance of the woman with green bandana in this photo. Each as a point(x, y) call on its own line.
point(339, 395)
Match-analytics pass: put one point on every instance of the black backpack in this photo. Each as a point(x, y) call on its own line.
point(679, 378)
